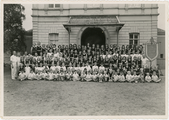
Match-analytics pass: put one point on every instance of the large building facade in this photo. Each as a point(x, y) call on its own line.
point(94, 23)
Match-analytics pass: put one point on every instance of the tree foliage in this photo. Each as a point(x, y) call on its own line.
point(13, 18)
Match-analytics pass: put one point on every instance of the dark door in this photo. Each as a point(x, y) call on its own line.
point(93, 36)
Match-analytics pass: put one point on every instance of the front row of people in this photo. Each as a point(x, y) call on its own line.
point(85, 75)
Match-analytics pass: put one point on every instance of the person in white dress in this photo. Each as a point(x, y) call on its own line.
point(13, 60)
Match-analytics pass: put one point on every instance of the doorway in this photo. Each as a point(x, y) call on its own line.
point(93, 36)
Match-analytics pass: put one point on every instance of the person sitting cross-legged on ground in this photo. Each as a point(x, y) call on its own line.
point(88, 77)
point(115, 77)
point(155, 78)
point(31, 75)
point(129, 77)
point(121, 77)
point(135, 77)
point(148, 78)
point(22, 75)
point(75, 76)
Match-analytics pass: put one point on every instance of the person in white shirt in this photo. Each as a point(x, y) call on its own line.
point(129, 77)
point(31, 75)
point(70, 67)
point(62, 75)
point(135, 77)
point(83, 76)
point(94, 77)
point(88, 67)
point(13, 60)
point(38, 76)
point(88, 77)
point(109, 55)
point(22, 76)
point(36, 67)
point(115, 54)
point(83, 67)
point(121, 77)
point(56, 75)
point(68, 75)
point(106, 76)
point(50, 53)
point(95, 66)
point(101, 68)
point(46, 68)
point(50, 76)
point(41, 67)
point(19, 64)
point(44, 75)
point(57, 66)
point(27, 70)
point(155, 78)
point(115, 77)
point(56, 54)
point(141, 77)
point(145, 61)
point(148, 78)
point(53, 67)
point(102, 55)
point(75, 76)
point(63, 66)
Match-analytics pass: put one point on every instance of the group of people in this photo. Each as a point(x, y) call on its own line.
point(84, 63)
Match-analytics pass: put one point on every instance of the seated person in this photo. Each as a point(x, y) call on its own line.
point(155, 78)
point(22, 76)
point(148, 78)
point(121, 77)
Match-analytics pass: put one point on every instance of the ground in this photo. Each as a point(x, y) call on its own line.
point(48, 98)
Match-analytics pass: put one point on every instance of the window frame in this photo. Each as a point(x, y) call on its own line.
point(133, 39)
point(56, 38)
point(54, 6)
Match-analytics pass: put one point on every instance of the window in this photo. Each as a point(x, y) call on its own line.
point(133, 39)
point(54, 5)
point(53, 37)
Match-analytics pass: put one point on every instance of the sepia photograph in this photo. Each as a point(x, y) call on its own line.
point(73, 59)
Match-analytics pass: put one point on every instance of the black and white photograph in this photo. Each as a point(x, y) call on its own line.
point(84, 59)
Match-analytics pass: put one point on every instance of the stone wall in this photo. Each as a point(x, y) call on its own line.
point(141, 18)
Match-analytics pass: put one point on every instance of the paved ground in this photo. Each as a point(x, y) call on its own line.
point(48, 98)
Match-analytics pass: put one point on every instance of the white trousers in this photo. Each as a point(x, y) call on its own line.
point(13, 70)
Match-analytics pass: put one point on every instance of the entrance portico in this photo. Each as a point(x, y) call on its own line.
point(101, 34)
